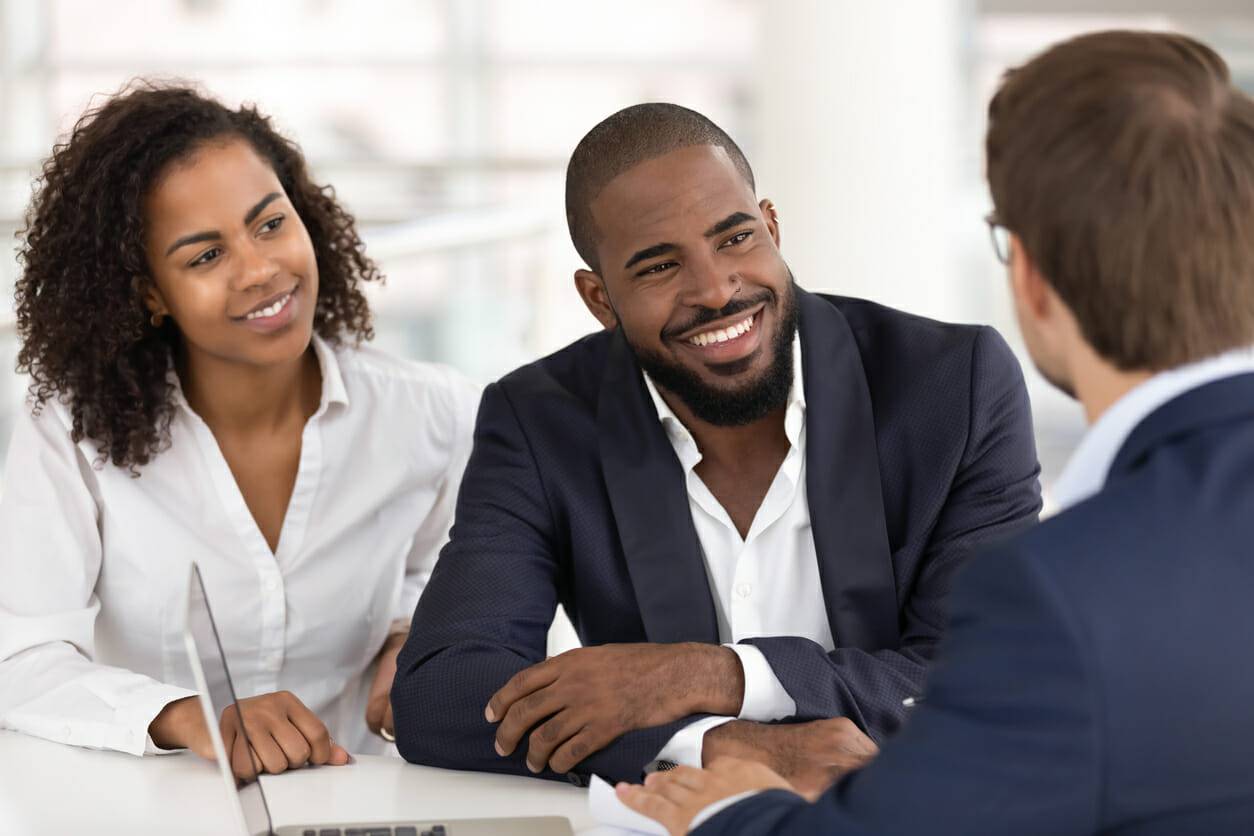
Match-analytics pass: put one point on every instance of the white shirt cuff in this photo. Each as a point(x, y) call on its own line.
point(765, 699)
point(717, 807)
point(684, 748)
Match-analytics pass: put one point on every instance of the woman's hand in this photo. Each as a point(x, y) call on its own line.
point(283, 732)
point(379, 703)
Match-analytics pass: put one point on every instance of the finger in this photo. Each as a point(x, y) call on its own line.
point(339, 755)
point(575, 750)
point(648, 803)
point(268, 751)
point(295, 747)
point(685, 776)
point(388, 724)
point(312, 729)
point(520, 685)
point(244, 762)
point(549, 735)
point(674, 790)
point(374, 712)
point(522, 716)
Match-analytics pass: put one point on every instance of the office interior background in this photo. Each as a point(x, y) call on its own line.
point(445, 126)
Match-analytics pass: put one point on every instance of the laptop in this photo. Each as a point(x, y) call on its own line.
point(247, 797)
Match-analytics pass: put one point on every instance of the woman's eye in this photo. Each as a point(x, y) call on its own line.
point(206, 257)
point(738, 238)
point(272, 224)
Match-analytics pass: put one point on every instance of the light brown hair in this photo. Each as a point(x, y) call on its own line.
point(1124, 163)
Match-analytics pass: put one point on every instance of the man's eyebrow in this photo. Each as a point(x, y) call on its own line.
point(213, 235)
point(261, 204)
point(647, 253)
point(734, 219)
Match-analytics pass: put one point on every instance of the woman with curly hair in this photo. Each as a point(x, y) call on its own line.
point(191, 317)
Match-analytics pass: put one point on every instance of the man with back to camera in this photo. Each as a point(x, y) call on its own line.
point(731, 460)
point(1095, 674)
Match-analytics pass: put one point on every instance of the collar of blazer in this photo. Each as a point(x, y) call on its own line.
point(1229, 399)
point(645, 482)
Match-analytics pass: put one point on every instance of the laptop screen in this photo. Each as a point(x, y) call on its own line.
point(219, 696)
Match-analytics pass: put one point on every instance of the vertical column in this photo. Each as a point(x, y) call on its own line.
point(858, 140)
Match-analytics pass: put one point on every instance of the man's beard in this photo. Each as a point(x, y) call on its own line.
point(745, 404)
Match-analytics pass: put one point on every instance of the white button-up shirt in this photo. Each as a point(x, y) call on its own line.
point(93, 561)
point(765, 584)
point(1086, 470)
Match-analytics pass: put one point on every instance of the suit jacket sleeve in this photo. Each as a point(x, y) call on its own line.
point(1006, 741)
point(485, 615)
point(994, 493)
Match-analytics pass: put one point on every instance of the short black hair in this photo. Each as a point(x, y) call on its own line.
point(632, 136)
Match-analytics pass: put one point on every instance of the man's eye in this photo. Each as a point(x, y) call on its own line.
point(738, 238)
point(656, 269)
point(272, 224)
point(206, 257)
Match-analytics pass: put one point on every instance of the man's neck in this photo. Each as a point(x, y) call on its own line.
point(1099, 385)
point(733, 447)
point(239, 398)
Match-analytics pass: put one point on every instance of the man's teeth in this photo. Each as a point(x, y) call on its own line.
point(722, 335)
point(270, 311)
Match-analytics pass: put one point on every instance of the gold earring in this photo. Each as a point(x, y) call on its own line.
point(156, 319)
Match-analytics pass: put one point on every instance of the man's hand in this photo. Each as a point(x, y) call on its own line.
point(674, 798)
point(579, 702)
point(284, 734)
point(379, 703)
point(811, 756)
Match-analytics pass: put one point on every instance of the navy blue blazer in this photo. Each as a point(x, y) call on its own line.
point(918, 445)
point(1096, 676)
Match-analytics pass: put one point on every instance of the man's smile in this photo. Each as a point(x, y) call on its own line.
point(726, 340)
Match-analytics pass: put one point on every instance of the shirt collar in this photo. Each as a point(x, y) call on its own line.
point(681, 438)
point(1086, 470)
point(333, 389)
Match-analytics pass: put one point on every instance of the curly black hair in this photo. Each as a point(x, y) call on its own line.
point(86, 336)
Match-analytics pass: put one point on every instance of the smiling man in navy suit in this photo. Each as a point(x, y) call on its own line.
point(748, 498)
point(1096, 674)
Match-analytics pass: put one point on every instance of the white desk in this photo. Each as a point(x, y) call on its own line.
point(46, 788)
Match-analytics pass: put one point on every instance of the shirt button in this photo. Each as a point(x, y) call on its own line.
point(272, 584)
point(744, 590)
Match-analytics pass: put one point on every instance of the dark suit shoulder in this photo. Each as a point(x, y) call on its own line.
point(876, 325)
point(931, 382)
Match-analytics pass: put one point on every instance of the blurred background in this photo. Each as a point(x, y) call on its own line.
point(445, 126)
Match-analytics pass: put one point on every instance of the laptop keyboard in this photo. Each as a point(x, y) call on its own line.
point(403, 830)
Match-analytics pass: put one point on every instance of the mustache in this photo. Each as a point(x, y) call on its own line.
point(703, 316)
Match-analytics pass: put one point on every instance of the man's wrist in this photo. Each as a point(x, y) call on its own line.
point(734, 739)
point(717, 680)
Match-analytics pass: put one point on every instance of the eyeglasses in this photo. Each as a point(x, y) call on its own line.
point(1000, 235)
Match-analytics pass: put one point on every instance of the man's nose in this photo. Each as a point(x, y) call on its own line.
point(709, 285)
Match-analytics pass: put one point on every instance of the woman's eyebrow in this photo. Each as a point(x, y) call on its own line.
point(213, 234)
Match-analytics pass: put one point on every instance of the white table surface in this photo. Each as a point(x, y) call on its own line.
point(48, 788)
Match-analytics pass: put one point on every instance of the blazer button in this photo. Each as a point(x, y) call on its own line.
point(577, 779)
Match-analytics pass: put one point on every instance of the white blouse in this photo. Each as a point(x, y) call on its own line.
point(93, 560)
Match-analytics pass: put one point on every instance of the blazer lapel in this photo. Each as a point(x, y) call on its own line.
point(843, 481)
point(1228, 399)
point(649, 497)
